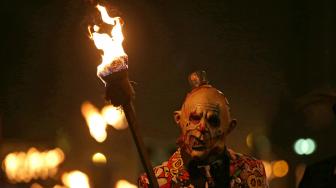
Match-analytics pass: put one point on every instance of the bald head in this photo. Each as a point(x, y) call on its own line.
point(204, 121)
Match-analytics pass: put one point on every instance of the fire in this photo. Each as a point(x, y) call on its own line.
point(75, 179)
point(115, 117)
point(114, 57)
point(95, 121)
point(23, 167)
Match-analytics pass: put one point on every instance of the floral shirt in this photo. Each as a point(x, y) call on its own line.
point(244, 172)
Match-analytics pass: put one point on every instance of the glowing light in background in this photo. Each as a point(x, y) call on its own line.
point(75, 179)
point(99, 158)
point(268, 169)
point(58, 186)
point(95, 122)
point(304, 146)
point(299, 171)
point(115, 117)
point(23, 167)
point(249, 140)
point(280, 168)
point(259, 142)
point(53, 157)
point(36, 185)
point(124, 184)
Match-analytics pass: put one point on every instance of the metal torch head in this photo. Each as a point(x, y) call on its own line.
point(119, 90)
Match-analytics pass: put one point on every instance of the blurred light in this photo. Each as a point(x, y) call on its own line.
point(23, 167)
point(36, 185)
point(99, 158)
point(124, 184)
point(304, 146)
point(53, 157)
point(75, 179)
point(259, 142)
point(58, 186)
point(280, 168)
point(297, 146)
point(249, 140)
point(299, 171)
point(262, 144)
point(95, 121)
point(311, 146)
point(114, 116)
point(268, 169)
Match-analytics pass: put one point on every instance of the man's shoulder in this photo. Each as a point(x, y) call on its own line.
point(171, 171)
point(247, 170)
point(236, 157)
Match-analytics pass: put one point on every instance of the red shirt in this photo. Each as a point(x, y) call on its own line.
point(243, 172)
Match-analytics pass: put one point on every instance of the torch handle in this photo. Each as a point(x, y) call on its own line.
point(131, 119)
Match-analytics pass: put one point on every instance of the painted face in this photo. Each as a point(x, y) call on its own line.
point(204, 121)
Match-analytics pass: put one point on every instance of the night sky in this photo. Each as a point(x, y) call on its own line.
point(275, 62)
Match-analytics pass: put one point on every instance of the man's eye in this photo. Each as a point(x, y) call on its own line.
point(195, 118)
point(214, 121)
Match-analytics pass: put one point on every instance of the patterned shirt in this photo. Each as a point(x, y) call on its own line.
point(242, 172)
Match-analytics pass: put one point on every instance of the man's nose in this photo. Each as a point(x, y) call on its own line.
point(202, 126)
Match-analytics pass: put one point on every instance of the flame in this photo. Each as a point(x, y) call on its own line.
point(114, 57)
point(75, 179)
point(125, 184)
point(95, 121)
point(23, 167)
point(115, 117)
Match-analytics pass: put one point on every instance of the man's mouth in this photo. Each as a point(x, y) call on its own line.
point(197, 144)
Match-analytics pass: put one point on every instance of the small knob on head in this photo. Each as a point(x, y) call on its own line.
point(198, 78)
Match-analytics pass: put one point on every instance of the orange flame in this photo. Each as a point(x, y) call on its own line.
point(95, 122)
point(114, 57)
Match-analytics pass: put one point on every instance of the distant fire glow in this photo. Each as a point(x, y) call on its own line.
point(125, 184)
point(36, 185)
point(280, 168)
point(23, 167)
point(115, 117)
point(75, 179)
point(99, 158)
point(268, 169)
point(114, 57)
point(95, 122)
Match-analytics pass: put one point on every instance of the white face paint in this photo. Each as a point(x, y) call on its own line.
point(204, 121)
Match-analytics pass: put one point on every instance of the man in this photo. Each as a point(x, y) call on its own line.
point(321, 174)
point(202, 158)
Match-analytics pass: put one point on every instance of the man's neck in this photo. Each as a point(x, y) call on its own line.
point(214, 169)
point(211, 158)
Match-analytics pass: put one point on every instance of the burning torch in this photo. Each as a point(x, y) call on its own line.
point(113, 72)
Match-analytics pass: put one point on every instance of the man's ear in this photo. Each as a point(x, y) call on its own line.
point(177, 117)
point(232, 125)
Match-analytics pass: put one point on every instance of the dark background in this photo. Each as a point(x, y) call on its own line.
point(275, 61)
